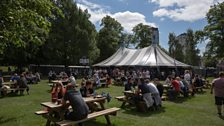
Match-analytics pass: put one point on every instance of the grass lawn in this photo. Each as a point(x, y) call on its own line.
point(194, 111)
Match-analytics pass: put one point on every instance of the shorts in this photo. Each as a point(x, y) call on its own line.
point(219, 100)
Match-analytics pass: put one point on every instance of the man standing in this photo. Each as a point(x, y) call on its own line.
point(80, 109)
point(218, 87)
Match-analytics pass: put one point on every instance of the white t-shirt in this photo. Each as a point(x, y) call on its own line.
point(153, 89)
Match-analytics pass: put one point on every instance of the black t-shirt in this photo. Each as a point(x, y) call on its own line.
point(84, 90)
point(198, 82)
point(144, 88)
point(127, 86)
point(79, 106)
point(123, 78)
point(0, 82)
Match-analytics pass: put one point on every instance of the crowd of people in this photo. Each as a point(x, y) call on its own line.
point(73, 94)
point(143, 82)
point(19, 83)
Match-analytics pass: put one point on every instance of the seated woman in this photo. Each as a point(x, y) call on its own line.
point(129, 85)
point(108, 80)
point(57, 91)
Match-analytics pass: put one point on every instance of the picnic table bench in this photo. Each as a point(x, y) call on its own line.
point(110, 111)
point(10, 87)
point(128, 98)
point(125, 98)
point(199, 89)
point(53, 108)
point(103, 82)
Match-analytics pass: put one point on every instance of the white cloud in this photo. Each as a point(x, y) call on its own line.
point(130, 19)
point(185, 10)
point(127, 19)
point(97, 11)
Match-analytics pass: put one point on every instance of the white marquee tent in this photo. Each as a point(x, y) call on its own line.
point(151, 56)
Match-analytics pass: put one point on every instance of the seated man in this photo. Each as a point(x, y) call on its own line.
point(15, 78)
point(80, 109)
point(23, 84)
point(87, 89)
point(159, 86)
point(155, 93)
point(174, 92)
point(72, 79)
point(144, 90)
point(129, 85)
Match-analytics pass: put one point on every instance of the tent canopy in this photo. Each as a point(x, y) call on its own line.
point(151, 56)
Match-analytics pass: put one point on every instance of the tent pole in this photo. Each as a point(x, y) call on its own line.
point(158, 69)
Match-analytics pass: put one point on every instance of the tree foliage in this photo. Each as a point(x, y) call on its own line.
point(109, 37)
point(214, 31)
point(142, 35)
point(175, 48)
point(126, 39)
point(24, 25)
point(72, 36)
point(192, 52)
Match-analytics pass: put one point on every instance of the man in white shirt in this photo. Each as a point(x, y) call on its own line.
point(154, 92)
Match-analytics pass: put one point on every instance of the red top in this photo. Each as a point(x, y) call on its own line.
point(176, 85)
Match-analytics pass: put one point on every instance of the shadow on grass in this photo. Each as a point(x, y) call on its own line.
point(6, 120)
point(221, 117)
point(12, 94)
point(97, 123)
point(181, 99)
point(201, 92)
point(133, 111)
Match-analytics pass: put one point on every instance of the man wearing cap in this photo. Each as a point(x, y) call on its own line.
point(80, 109)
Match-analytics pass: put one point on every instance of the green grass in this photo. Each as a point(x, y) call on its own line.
point(194, 111)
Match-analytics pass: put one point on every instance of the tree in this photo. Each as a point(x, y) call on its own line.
point(142, 35)
point(192, 53)
point(126, 39)
point(214, 31)
point(24, 25)
point(109, 37)
point(175, 48)
point(72, 36)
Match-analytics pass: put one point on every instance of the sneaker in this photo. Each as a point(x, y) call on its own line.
point(103, 94)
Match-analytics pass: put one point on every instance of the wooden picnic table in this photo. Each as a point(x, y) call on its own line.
point(64, 82)
point(58, 108)
point(166, 87)
point(126, 98)
point(9, 83)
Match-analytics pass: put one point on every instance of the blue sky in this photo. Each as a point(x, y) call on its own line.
point(168, 15)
